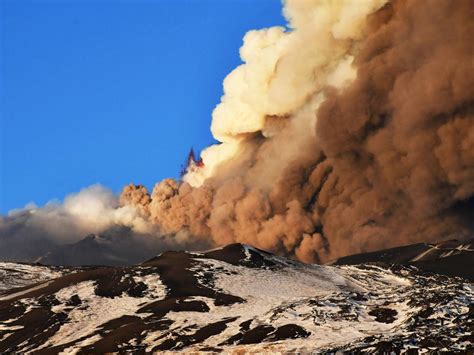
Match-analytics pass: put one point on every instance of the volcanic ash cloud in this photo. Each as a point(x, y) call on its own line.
point(349, 132)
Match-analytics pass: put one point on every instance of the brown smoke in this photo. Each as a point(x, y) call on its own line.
point(400, 138)
point(136, 195)
point(392, 161)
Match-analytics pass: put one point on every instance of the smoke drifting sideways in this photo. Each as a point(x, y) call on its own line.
point(350, 131)
point(31, 233)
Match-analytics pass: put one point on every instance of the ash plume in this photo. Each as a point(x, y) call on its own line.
point(400, 138)
point(350, 130)
point(259, 186)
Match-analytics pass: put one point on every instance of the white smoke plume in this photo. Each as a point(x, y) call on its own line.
point(281, 81)
point(32, 233)
point(92, 210)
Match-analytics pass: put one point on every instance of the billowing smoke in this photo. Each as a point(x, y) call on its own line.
point(256, 186)
point(30, 233)
point(91, 210)
point(400, 138)
point(349, 131)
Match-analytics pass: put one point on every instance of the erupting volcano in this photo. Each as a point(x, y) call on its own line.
point(350, 130)
point(333, 213)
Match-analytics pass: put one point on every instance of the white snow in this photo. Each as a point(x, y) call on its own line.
point(289, 291)
point(13, 275)
point(31, 289)
point(333, 303)
point(85, 319)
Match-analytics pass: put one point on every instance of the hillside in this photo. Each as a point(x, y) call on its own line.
point(238, 298)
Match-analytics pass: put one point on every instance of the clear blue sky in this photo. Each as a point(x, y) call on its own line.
point(111, 91)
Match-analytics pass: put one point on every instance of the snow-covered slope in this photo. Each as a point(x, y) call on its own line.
point(14, 275)
point(452, 257)
point(238, 298)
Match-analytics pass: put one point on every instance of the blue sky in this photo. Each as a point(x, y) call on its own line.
point(109, 91)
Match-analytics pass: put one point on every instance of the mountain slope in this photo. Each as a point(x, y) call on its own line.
point(238, 298)
point(117, 248)
point(92, 250)
point(452, 258)
point(14, 275)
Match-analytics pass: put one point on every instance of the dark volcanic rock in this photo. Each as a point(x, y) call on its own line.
point(175, 271)
point(384, 315)
point(289, 331)
point(182, 341)
point(239, 254)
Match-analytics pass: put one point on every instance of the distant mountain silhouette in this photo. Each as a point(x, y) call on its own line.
point(452, 258)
